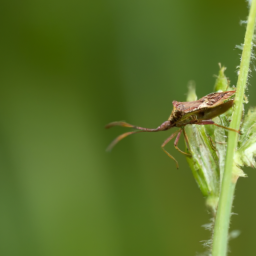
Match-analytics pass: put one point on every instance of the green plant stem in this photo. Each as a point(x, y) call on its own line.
point(220, 237)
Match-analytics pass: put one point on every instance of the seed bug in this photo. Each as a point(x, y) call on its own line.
point(198, 112)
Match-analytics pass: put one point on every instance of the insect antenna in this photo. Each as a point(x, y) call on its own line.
point(120, 137)
point(162, 127)
point(123, 124)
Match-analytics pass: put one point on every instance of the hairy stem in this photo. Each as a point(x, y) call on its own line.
point(220, 237)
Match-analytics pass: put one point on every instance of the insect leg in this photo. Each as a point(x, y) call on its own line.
point(186, 138)
point(205, 122)
point(167, 153)
point(211, 142)
point(176, 144)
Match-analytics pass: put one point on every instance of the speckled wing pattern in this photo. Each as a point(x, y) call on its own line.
point(186, 110)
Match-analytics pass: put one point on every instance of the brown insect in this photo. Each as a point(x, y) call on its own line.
point(198, 112)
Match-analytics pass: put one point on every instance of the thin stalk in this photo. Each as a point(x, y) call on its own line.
point(220, 237)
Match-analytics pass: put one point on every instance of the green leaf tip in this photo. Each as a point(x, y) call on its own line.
point(208, 146)
point(222, 82)
point(204, 160)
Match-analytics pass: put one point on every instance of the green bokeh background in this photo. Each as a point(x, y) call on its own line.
point(70, 67)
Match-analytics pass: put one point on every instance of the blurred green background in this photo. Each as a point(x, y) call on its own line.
point(70, 67)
